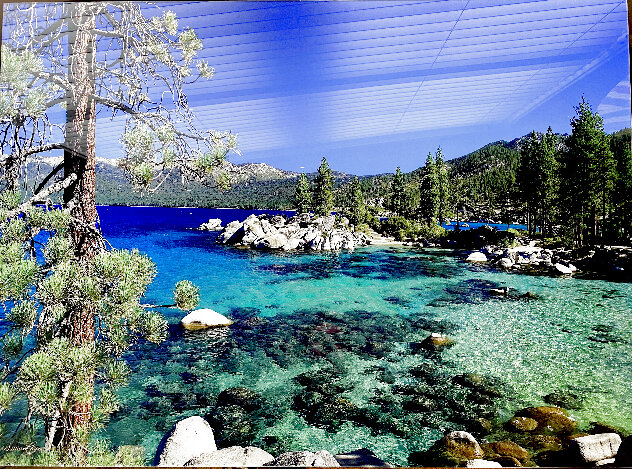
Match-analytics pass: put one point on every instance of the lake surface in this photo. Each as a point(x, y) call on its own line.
point(328, 343)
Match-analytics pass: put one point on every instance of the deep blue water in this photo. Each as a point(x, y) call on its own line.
point(328, 342)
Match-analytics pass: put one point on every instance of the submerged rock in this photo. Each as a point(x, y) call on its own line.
point(204, 318)
point(504, 449)
point(240, 396)
point(551, 418)
point(566, 400)
point(235, 456)
point(189, 438)
point(436, 341)
point(521, 424)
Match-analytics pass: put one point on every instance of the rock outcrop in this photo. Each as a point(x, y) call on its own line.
point(301, 232)
point(188, 439)
point(214, 224)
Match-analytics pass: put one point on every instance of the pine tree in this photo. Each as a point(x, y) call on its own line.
point(397, 196)
point(356, 212)
point(302, 196)
point(429, 191)
point(75, 305)
point(444, 186)
point(622, 203)
point(323, 197)
point(586, 175)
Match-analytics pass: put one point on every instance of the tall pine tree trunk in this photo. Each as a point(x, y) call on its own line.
point(79, 159)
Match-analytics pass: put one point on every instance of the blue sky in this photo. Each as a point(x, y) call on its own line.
point(379, 84)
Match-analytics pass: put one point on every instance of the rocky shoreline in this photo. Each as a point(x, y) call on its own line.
point(535, 436)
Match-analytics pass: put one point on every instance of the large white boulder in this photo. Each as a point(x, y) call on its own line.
point(204, 318)
point(212, 225)
point(506, 263)
point(476, 257)
point(234, 456)
point(562, 269)
point(189, 438)
point(593, 448)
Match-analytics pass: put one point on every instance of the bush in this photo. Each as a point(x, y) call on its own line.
point(403, 228)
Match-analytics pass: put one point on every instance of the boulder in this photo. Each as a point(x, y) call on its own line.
point(476, 257)
point(561, 269)
point(272, 241)
point(240, 396)
point(189, 438)
point(235, 456)
point(481, 463)
point(454, 449)
point(233, 233)
point(550, 418)
point(593, 448)
point(499, 449)
point(305, 459)
point(506, 263)
point(204, 318)
point(521, 424)
point(436, 341)
point(213, 224)
point(360, 458)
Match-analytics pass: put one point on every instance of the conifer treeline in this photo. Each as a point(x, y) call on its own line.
point(576, 187)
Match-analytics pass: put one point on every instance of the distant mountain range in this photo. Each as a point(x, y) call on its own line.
point(259, 185)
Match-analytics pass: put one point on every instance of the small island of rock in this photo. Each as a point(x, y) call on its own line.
point(300, 232)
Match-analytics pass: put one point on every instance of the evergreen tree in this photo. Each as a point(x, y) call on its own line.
point(323, 197)
point(429, 191)
point(302, 196)
point(356, 212)
point(538, 180)
point(444, 186)
point(587, 175)
point(74, 307)
point(397, 196)
point(622, 203)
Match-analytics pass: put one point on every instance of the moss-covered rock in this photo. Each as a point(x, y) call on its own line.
point(505, 448)
point(454, 449)
point(521, 424)
point(240, 396)
point(550, 419)
point(566, 400)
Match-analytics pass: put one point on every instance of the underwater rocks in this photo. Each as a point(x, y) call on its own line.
point(301, 232)
point(436, 341)
point(203, 319)
point(550, 418)
point(360, 458)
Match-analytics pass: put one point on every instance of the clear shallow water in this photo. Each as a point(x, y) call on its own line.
point(354, 320)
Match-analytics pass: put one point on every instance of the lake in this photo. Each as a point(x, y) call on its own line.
point(326, 343)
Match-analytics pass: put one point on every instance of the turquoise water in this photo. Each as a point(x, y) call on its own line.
point(328, 342)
